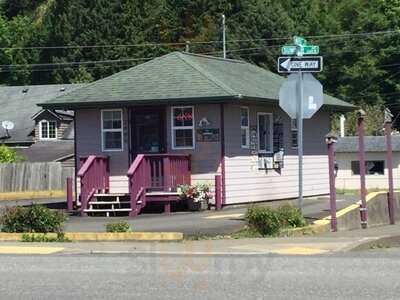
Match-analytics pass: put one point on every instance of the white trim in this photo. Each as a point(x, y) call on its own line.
point(103, 149)
point(247, 128)
point(48, 138)
point(173, 128)
point(271, 132)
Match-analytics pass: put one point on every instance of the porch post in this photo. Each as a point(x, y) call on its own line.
point(222, 159)
point(167, 174)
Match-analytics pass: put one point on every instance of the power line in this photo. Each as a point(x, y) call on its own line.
point(331, 36)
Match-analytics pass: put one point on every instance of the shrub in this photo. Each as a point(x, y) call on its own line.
point(122, 226)
point(35, 218)
point(8, 155)
point(44, 238)
point(291, 216)
point(264, 219)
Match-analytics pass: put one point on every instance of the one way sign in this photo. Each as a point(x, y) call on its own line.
point(289, 64)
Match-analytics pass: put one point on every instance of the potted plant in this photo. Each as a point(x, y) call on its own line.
point(197, 196)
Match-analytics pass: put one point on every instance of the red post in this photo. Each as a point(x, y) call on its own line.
point(389, 161)
point(330, 140)
point(167, 173)
point(218, 192)
point(70, 201)
point(361, 159)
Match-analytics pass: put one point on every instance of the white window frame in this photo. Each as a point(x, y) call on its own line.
point(247, 128)
point(271, 128)
point(174, 128)
point(103, 148)
point(48, 138)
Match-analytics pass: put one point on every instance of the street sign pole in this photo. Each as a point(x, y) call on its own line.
point(300, 140)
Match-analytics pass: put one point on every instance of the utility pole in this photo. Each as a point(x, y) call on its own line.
point(224, 35)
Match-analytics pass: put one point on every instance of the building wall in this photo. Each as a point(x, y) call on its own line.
point(347, 181)
point(206, 157)
point(246, 183)
point(88, 142)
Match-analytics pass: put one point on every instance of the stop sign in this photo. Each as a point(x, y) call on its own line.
point(289, 93)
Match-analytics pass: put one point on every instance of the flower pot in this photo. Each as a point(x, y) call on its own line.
point(197, 206)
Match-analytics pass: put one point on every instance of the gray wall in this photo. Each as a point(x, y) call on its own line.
point(21, 177)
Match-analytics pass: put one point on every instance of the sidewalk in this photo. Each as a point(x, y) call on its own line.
point(323, 244)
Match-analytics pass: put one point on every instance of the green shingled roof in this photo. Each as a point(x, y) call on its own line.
point(182, 77)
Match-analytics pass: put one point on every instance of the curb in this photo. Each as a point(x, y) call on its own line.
point(104, 236)
point(31, 195)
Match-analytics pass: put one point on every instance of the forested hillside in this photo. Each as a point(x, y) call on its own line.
point(63, 41)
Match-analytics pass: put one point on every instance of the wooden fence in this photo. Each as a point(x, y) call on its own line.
point(21, 177)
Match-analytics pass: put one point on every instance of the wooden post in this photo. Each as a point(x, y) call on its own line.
point(389, 161)
point(330, 140)
point(70, 201)
point(361, 158)
point(218, 192)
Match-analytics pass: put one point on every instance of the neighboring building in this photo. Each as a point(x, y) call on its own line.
point(39, 135)
point(223, 113)
point(346, 151)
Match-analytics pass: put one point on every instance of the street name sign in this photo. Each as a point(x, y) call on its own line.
point(304, 50)
point(287, 64)
point(289, 95)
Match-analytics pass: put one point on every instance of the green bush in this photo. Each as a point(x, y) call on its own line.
point(44, 238)
point(290, 216)
point(35, 218)
point(122, 226)
point(269, 222)
point(264, 219)
point(8, 155)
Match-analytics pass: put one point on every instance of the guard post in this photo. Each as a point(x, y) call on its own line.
point(361, 159)
point(389, 162)
point(330, 139)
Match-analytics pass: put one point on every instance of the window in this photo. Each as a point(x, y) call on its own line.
point(265, 132)
point(48, 130)
point(182, 127)
point(294, 137)
point(372, 167)
point(112, 132)
point(244, 127)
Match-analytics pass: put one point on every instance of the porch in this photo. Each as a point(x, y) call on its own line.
point(151, 178)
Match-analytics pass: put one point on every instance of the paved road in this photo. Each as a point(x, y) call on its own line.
point(352, 275)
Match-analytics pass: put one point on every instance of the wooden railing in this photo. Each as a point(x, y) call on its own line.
point(161, 172)
point(94, 175)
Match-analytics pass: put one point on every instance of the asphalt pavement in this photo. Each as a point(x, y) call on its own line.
point(212, 222)
point(351, 275)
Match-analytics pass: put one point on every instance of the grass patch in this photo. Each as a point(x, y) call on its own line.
point(44, 238)
point(122, 226)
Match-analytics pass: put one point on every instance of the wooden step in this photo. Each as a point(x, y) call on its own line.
point(108, 202)
point(111, 195)
point(108, 210)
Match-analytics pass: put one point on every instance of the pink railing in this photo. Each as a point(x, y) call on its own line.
point(94, 175)
point(162, 172)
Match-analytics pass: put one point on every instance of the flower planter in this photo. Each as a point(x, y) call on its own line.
point(197, 206)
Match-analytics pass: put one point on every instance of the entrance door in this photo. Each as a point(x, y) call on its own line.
point(148, 131)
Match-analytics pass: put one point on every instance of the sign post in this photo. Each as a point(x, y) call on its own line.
point(301, 96)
